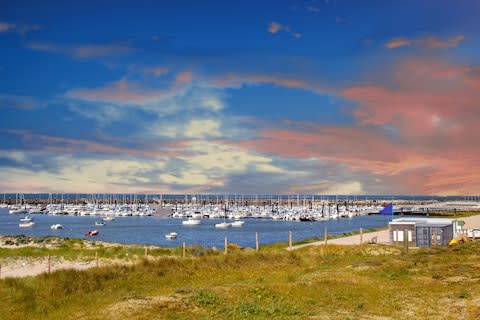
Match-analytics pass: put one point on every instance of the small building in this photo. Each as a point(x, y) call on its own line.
point(422, 232)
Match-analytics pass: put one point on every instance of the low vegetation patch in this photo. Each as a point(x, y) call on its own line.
point(335, 282)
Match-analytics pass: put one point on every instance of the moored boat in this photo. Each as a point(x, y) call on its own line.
point(26, 219)
point(26, 224)
point(223, 225)
point(91, 233)
point(171, 235)
point(238, 223)
point(56, 226)
point(191, 222)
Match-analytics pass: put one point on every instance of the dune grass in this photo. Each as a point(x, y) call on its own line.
point(333, 282)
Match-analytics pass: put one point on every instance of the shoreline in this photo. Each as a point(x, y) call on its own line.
point(16, 267)
point(382, 236)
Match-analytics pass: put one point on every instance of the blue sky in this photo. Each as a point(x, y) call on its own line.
point(318, 97)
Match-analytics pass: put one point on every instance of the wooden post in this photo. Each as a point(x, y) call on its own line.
point(226, 245)
point(289, 240)
point(434, 238)
point(96, 258)
point(183, 250)
point(405, 240)
point(257, 247)
point(49, 263)
point(0, 271)
point(146, 252)
point(325, 235)
point(361, 235)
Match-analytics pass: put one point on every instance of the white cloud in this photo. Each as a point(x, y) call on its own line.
point(203, 128)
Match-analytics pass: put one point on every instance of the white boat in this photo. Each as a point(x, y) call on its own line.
point(26, 219)
point(26, 224)
point(108, 218)
point(18, 211)
point(238, 223)
point(100, 223)
point(171, 235)
point(223, 225)
point(191, 222)
point(56, 226)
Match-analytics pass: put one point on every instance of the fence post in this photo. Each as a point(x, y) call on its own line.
point(183, 250)
point(325, 235)
point(0, 271)
point(361, 235)
point(49, 263)
point(405, 240)
point(289, 240)
point(146, 252)
point(256, 242)
point(96, 258)
point(226, 245)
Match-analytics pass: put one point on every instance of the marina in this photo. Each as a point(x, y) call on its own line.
point(207, 219)
point(151, 230)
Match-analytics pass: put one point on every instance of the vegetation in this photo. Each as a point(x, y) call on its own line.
point(334, 282)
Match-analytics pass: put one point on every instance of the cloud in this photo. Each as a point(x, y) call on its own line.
point(237, 80)
point(429, 42)
point(119, 92)
point(83, 51)
point(4, 27)
point(203, 128)
point(18, 102)
point(313, 9)
point(275, 27)
point(18, 28)
point(64, 145)
point(341, 20)
point(398, 43)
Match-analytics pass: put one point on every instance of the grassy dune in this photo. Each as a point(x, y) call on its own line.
point(360, 282)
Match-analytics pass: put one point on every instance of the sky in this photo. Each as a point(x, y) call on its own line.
point(248, 97)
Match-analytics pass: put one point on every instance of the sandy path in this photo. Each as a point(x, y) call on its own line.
point(22, 267)
point(382, 236)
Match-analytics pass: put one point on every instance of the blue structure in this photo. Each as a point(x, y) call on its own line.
point(387, 211)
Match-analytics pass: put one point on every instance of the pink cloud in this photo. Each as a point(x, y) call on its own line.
point(417, 127)
point(6, 26)
point(18, 28)
point(89, 51)
point(129, 92)
point(397, 43)
point(83, 51)
point(121, 91)
point(69, 145)
point(184, 77)
point(429, 42)
point(237, 80)
point(275, 27)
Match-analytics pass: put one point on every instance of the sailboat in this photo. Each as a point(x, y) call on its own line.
point(224, 224)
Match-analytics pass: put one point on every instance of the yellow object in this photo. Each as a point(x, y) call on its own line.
point(453, 242)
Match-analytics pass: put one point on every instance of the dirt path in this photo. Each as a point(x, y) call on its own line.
point(381, 236)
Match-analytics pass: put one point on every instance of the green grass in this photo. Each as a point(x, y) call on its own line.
point(336, 282)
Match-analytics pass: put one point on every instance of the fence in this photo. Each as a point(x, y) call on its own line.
point(48, 264)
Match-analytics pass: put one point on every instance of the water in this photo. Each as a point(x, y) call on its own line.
point(152, 230)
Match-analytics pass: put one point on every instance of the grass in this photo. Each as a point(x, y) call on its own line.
point(336, 282)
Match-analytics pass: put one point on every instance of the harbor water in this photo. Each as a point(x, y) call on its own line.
point(151, 230)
